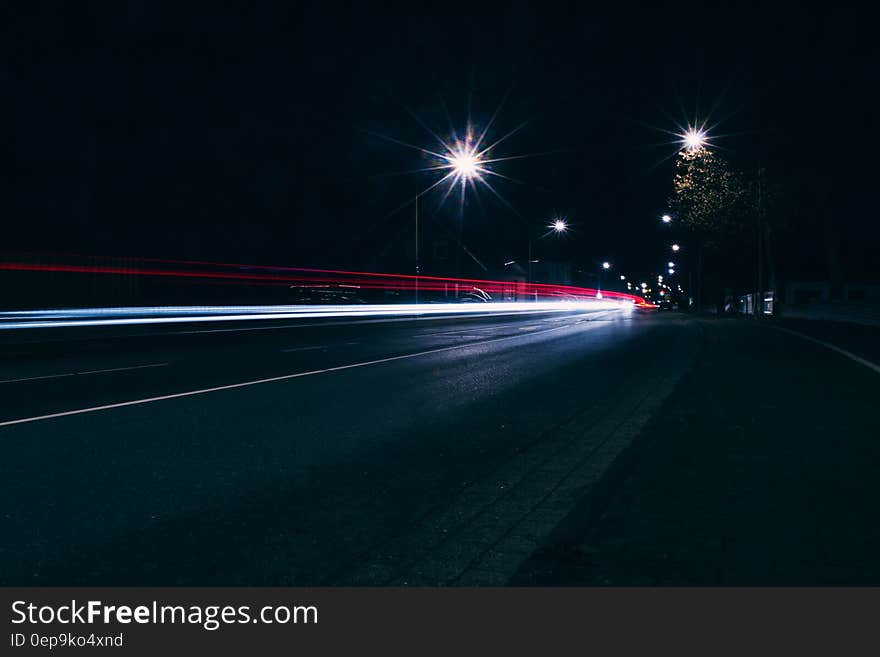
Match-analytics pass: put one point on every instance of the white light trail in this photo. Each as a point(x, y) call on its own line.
point(181, 314)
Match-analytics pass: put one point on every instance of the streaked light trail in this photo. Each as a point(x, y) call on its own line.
point(75, 317)
point(364, 294)
point(308, 278)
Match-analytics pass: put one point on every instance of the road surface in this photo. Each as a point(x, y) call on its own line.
point(438, 451)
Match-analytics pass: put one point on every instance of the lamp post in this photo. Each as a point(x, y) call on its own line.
point(695, 141)
point(558, 226)
point(417, 248)
point(464, 164)
point(605, 266)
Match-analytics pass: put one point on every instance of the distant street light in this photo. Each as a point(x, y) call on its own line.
point(670, 264)
point(666, 218)
point(671, 271)
point(605, 266)
point(676, 247)
point(622, 277)
point(559, 226)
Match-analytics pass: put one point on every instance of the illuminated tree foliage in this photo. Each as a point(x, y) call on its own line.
point(707, 196)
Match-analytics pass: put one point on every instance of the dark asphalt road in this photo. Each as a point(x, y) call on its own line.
point(290, 481)
point(409, 452)
point(760, 470)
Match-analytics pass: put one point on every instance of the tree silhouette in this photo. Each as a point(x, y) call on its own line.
point(707, 196)
point(711, 201)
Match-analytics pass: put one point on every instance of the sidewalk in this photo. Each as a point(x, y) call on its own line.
point(761, 469)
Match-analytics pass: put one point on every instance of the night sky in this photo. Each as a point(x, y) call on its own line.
point(249, 135)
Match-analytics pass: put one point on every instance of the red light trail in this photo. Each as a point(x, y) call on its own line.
point(311, 278)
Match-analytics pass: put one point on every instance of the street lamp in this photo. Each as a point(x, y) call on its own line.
point(694, 139)
point(605, 266)
point(558, 226)
point(665, 218)
point(465, 162)
point(676, 247)
point(670, 264)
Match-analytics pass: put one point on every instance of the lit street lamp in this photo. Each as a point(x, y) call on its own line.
point(676, 247)
point(465, 162)
point(605, 266)
point(694, 139)
point(558, 226)
point(665, 218)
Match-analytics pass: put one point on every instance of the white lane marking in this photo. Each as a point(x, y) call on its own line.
point(828, 345)
point(35, 378)
point(317, 346)
point(424, 318)
point(501, 327)
point(285, 377)
point(59, 376)
point(120, 369)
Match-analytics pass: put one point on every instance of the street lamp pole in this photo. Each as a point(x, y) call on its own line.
point(605, 265)
point(558, 226)
point(529, 274)
point(759, 295)
point(417, 249)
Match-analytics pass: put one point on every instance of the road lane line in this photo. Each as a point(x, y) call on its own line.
point(285, 377)
point(317, 346)
point(35, 378)
point(121, 369)
point(59, 376)
point(388, 320)
point(828, 345)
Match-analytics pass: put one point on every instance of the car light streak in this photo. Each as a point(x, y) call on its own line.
point(181, 314)
point(308, 279)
